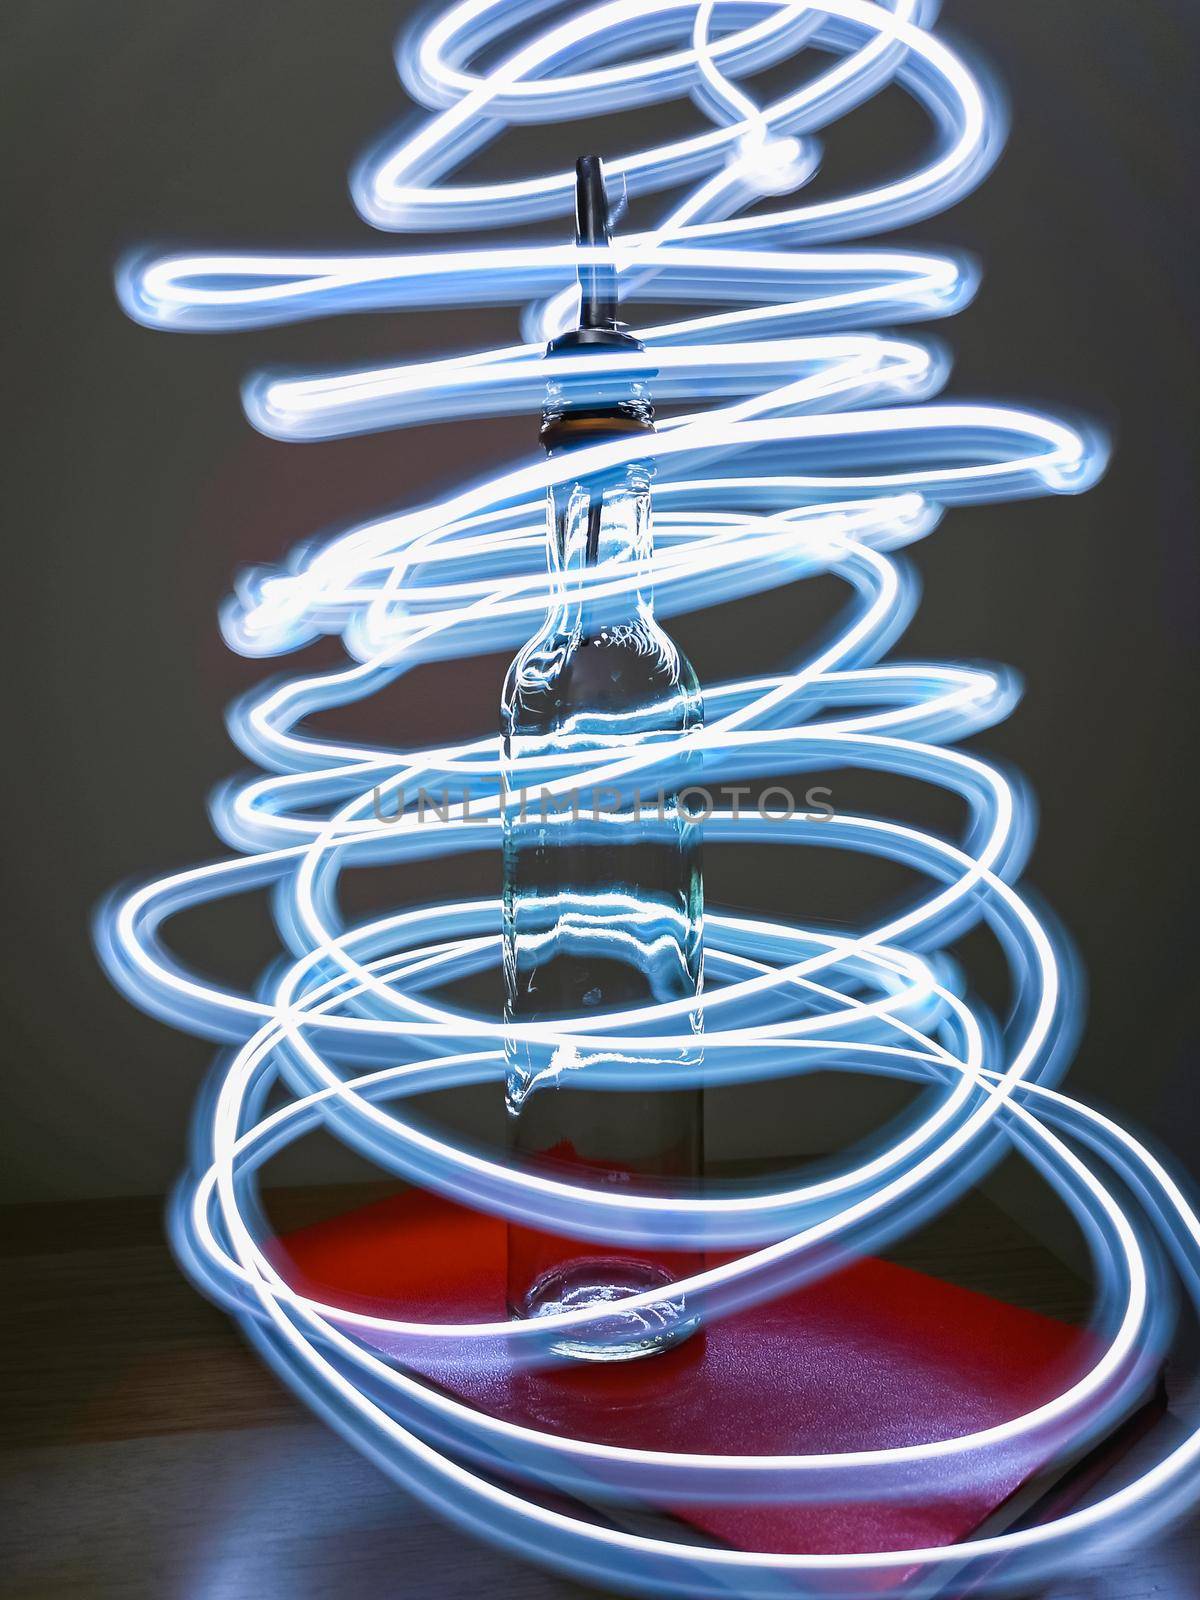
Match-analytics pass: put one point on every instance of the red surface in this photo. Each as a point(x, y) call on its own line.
point(874, 1356)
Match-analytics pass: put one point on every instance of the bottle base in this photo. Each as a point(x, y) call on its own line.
point(622, 1335)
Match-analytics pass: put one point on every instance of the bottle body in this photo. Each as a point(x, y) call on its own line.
point(603, 913)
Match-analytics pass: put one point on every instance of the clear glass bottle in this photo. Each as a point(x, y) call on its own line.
point(603, 893)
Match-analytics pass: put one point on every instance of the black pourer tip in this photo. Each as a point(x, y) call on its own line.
point(598, 326)
point(597, 281)
point(591, 201)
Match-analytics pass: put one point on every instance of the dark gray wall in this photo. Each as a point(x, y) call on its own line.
point(134, 489)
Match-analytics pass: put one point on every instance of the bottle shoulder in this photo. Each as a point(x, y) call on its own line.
point(624, 665)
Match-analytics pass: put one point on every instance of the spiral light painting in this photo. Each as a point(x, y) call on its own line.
point(805, 437)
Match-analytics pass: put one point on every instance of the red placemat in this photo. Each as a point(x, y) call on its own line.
point(875, 1355)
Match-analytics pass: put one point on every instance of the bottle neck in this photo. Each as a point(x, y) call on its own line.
point(599, 536)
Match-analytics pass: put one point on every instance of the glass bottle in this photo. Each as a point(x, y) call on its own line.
point(603, 893)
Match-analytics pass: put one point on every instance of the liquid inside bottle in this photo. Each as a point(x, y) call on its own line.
point(603, 897)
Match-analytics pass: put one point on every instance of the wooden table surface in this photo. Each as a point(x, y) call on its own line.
point(147, 1455)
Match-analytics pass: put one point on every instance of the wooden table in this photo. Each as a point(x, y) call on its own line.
point(147, 1455)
